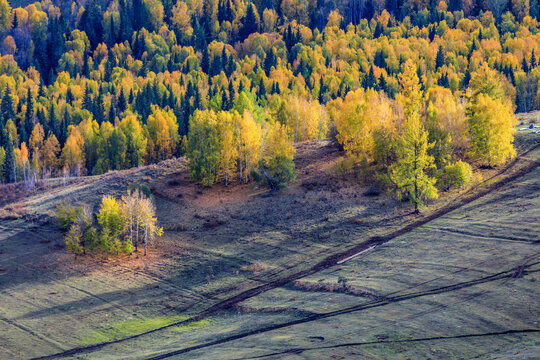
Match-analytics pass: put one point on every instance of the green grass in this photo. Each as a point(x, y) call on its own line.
point(123, 329)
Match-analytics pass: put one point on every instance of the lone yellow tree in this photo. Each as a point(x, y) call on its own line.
point(409, 172)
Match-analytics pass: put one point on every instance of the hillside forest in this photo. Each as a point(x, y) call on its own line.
point(413, 91)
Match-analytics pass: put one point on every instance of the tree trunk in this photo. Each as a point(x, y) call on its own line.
point(145, 239)
point(137, 235)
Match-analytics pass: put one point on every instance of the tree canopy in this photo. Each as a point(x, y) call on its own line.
point(120, 83)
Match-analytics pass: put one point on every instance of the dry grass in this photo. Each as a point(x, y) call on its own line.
point(256, 268)
point(220, 242)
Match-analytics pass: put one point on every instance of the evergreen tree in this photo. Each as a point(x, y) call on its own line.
point(432, 33)
point(524, 65)
point(140, 14)
point(42, 120)
point(122, 104)
point(205, 60)
point(261, 92)
point(208, 18)
point(87, 103)
point(91, 24)
point(250, 23)
point(52, 121)
point(109, 66)
point(382, 84)
point(269, 61)
point(225, 62)
point(55, 42)
point(125, 21)
point(379, 59)
point(199, 36)
point(466, 78)
point(216, 66)
point(240, 87)
point(69, 96)
point(99, 109)
point(9, 162)
point(231, 92)
point(370, 81)
point(66, 121)
point(41, 91)
point(224, 101)
point(378, 30)
point(86, 66)
point(439, 60)
point(6, 106)
point(41, 61)
point(112, 38)
point(112, 113)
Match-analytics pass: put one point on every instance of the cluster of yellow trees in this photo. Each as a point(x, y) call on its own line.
point(105, 147)
point(420, 138)
point(226, 144)
point(122, 225)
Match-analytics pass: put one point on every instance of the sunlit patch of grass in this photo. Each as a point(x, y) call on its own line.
point(124, 329)
point(191, 326)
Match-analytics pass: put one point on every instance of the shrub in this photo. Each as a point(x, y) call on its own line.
point(458, 174)
point(74, 240)
point(66, 215)
point(82, 235)
point(345, 166)
point(278, 172)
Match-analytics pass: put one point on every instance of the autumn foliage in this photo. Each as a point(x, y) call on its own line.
point(119, 226)
point(232, 84)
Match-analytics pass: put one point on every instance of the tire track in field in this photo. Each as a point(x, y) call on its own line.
point(328, 262)
point(483, 236)
point(506, 274)
point(405, 341)
point(412, 316)
point(49, 341)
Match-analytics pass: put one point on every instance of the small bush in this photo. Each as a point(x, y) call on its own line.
point(458, 174)
point(74, 240)
point(82, 235)
point(345, 166)
point(66, 215)
point(278, 172)
point(255, 175)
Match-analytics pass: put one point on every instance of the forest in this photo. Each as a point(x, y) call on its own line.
point(413, 91)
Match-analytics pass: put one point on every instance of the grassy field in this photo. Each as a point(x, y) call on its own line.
point(236, 274)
